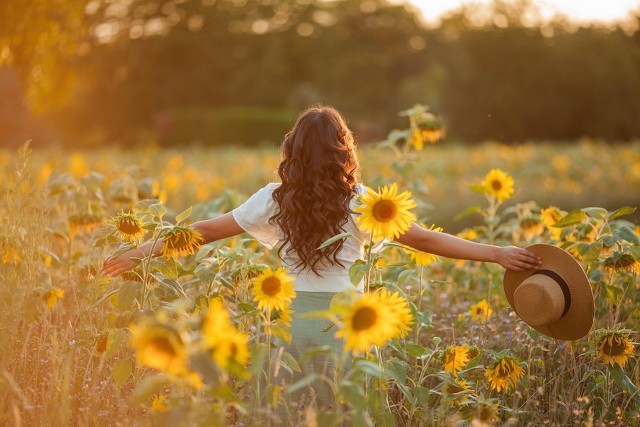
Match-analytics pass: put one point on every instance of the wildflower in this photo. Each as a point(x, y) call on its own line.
point(480, 311)
point(402, 318)
point(366, 323)
point(615, 347)
point(504, 373)
point(386, 214)
point(181, 241)
point(273, 289)
point(51, 297)
point(549, 217)
point(456, 358)
point(128, 227)
point(618, 261)
point(159, 346)
point(498, 184)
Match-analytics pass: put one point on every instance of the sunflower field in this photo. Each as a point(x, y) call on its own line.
point(192, 337)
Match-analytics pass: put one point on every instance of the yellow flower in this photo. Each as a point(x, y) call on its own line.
point(387, 214)
point(504, 373)
point(425, 258)
point(273, 290)
point(531, 227)
point(498, 184)
point(366, 323)
point(417, 140)
point(216, 322)
point(456, 358)
point(468, 234)
point(550, 216)
point(159, 346)
point(283, 316)
point(615, 347)
point(128, 227)
point(52, 297)
point(181, 241)
point(480, 311)
point(455, 390)
point(231, 348)
point(10, 254)
point(159, 403)
point(84, 222)
point(78, 166)
point(618, 261)
point(402, 318)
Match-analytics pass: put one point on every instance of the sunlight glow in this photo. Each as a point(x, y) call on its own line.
point(583, 11)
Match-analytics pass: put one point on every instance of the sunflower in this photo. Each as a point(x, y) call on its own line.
point(51, 297)
point(231, 348)
point(84, 222)
point(181, 241)
point(128, 227)
point(486, 412)
point(216, 322)
point(283, 316)
point(366, 323)
point(480, 311)
point(498, 184)
point(402, 318)
point(618, 261)
point(273, 290)
point(531, 227)
point(615, 347)
point(159, 346)
point(425, 258)
point(386, 214)
point(456, 358)
point(549, 217)
point(504, 373)
point(431, 128)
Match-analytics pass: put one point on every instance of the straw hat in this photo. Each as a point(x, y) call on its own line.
point(555, 299)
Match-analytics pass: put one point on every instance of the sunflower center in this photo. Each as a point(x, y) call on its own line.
point(128, 226)
point(384, 210)
point(496, 184)
point(614, 348)
point(364, 318)
point(271, 286)
point(162, 347)
point(179, 240)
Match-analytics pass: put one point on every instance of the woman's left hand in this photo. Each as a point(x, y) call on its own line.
point(518, 259)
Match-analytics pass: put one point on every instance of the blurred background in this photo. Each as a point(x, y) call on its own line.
point(219, 72)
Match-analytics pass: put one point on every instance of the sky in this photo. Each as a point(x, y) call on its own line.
point(598, 11)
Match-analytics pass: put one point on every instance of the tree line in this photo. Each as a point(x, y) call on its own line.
point(239, 71)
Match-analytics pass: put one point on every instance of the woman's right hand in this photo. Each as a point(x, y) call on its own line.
point(114, 266)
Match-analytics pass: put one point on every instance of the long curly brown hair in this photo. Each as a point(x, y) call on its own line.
point(318, 172)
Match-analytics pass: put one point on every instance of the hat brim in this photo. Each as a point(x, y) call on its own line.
point(577, 321)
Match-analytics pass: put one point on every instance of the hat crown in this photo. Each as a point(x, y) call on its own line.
point(539, 300)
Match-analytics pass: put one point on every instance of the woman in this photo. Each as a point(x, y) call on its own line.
point(315, 201)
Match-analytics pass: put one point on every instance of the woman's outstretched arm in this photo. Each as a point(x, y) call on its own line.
point(437, 243)
point(213, 229)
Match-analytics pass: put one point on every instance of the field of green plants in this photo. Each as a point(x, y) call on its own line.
point(188, 341)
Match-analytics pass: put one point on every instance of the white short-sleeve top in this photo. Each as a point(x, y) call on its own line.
point(253, 217)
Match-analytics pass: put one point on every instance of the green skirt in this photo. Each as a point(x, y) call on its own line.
point(316, 352)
